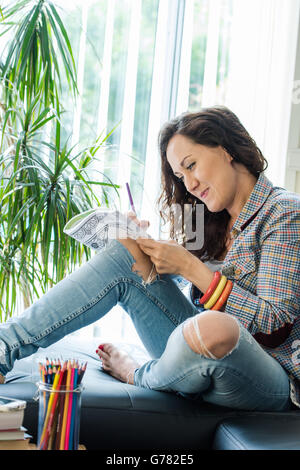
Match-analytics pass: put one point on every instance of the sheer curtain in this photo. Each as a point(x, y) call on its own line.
point(141, 62)
point(248, 65)
point(261, 74)
point(203, 52)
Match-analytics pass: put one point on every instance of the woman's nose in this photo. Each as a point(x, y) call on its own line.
point(191, 183)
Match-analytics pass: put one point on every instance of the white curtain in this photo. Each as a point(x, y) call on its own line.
point(261, 74)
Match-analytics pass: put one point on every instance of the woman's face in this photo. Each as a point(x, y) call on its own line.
point(207, 173)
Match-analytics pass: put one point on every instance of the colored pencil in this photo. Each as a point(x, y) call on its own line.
point(130, 198)
point(69, 411)
point(61, 414)
point(49, 407)
point(56, 386)
point(66, 404)
point(60, 418)
point(71, 445)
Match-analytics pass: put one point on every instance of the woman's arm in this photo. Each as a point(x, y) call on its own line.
point(276, 303)
point(172, 258)
point(195, 271)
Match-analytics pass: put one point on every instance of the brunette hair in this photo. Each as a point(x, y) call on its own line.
point(212, 127)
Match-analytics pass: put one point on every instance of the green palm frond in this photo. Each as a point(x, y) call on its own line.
point(43, 181)
point(39, 45)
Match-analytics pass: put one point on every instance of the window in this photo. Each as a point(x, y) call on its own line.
point(141, 62)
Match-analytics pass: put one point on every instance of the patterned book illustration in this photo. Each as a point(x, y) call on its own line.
point(94, 228)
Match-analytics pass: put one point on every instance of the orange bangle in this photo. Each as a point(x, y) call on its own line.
point(224, 296)
point(211, 288)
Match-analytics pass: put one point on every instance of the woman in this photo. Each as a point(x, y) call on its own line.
point(237, 345)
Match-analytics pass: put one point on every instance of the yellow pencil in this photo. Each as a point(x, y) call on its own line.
point(65, 414)
point(55, 382)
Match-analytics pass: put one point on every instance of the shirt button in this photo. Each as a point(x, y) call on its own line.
point(238, 271)
point(234, 233)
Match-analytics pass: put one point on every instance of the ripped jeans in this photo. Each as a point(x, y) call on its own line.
point(247, 378)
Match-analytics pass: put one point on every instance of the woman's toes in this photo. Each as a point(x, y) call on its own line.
point(118, 363)
point(104, 350)
point(108, 348)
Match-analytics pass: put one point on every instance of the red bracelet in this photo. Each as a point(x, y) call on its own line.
point(224, 296)
point(211, 288)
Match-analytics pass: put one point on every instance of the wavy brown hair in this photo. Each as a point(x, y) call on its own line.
point(212, 127)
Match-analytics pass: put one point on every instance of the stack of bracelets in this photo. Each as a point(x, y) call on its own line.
point(217, 292)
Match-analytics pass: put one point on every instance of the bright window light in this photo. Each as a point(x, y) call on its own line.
point(141, 62)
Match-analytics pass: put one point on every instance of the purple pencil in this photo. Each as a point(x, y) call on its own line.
point(130, 198)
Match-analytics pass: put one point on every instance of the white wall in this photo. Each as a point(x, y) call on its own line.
point(292, 176)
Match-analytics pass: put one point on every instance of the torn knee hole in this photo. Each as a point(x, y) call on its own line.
point(224, 338)
point(147, 279)
point(191, 333)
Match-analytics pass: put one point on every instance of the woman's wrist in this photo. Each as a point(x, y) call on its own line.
point(187, 265)
point(195, 271)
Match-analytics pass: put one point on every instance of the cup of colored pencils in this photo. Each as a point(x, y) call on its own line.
point(59, 404)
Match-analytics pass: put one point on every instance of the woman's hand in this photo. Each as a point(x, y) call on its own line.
point(167, 255)
point(143, 224)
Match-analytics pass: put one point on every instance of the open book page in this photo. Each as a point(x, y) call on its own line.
point(94, 228)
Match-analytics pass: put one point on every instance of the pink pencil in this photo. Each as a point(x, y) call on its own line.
point(69, 411)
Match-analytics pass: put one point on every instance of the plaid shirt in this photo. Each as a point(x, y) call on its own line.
point(264, 265)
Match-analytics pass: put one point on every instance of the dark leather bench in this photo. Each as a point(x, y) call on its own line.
point(115, 415)
point(259, 431)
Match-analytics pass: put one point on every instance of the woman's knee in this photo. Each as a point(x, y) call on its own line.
point(211, 333)
point(143, 265)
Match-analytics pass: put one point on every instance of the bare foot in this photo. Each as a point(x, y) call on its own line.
point(117, 363)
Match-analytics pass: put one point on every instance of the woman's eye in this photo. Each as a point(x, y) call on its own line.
point(189, 167)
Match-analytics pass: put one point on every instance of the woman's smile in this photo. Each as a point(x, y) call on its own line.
point(204, 193)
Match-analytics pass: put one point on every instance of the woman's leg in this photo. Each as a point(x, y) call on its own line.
point(110, 277)
point(214, 358)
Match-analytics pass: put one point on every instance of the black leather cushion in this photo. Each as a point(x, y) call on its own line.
point(115, 415)
point(268, 431)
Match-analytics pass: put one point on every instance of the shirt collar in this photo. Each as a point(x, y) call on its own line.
point(257, 198)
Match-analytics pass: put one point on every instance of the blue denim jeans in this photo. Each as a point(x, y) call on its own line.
point(246, 378)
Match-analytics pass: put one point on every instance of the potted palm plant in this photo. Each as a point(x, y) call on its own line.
point(43, 181)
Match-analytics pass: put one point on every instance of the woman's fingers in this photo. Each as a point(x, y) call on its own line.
point(144, 246)
point(141, 223)
point(146, 250)
point(132, 216)
point(147, 242)
point(144, 223)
